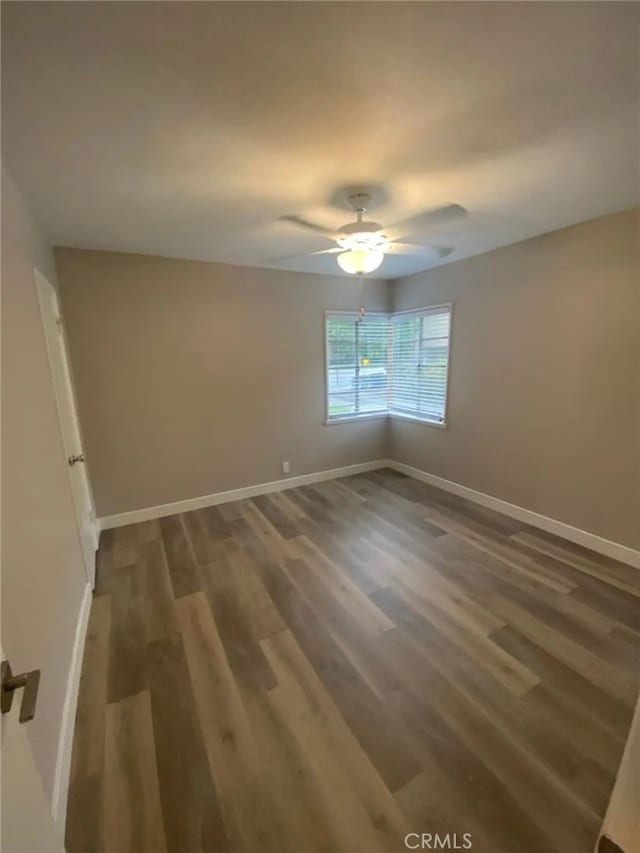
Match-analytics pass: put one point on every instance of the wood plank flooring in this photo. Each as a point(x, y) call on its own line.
point(326, 669)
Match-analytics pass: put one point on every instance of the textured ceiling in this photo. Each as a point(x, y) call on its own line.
point(186, 129)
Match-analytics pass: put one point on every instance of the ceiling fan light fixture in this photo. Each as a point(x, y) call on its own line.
point(360, 261)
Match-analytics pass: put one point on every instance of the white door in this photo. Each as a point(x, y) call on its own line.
point(622, 820)
point(65, 400)
point(27, 822)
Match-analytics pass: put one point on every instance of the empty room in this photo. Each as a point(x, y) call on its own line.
point(320, 427)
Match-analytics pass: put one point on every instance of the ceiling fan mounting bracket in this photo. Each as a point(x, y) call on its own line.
point(359, 201)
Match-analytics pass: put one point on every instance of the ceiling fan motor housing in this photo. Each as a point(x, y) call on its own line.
point(361, 227)
point(362, 235)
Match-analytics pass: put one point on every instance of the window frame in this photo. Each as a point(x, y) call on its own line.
point(330, 421)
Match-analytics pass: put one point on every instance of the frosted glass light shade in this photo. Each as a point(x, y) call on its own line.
point(360, 261)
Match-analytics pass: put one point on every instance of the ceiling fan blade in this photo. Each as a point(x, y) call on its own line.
point(284, 258)
point(416, 249)
point(310, 226)
point(422, 221)
point(333, 251)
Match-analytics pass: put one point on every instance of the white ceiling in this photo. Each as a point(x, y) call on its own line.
point(187, 129)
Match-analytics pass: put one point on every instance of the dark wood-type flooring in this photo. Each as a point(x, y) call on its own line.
point(326, 669)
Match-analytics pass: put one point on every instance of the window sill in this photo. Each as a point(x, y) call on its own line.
point(377, 415)
point(351, 418)
point(415, 420)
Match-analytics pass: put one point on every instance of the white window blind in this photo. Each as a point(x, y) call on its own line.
point(388, 364)
point(419, 363)
point(356, 365)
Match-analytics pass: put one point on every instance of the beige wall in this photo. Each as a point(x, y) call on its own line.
point(43, 577)
point(196, 377)
point(544, 405)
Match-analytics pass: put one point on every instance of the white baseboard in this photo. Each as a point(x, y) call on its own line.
point(65, 742)
point(559, 528)
point(151, 512)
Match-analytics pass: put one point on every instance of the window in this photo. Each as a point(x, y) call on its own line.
point(356, 365)
point(419, 356)
point(388, 364)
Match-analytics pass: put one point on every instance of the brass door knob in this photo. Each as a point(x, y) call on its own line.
point(10, 682)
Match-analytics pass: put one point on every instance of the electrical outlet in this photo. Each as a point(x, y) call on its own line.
point(286, 467)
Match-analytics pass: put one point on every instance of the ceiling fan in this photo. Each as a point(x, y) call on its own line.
point(362, 245)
